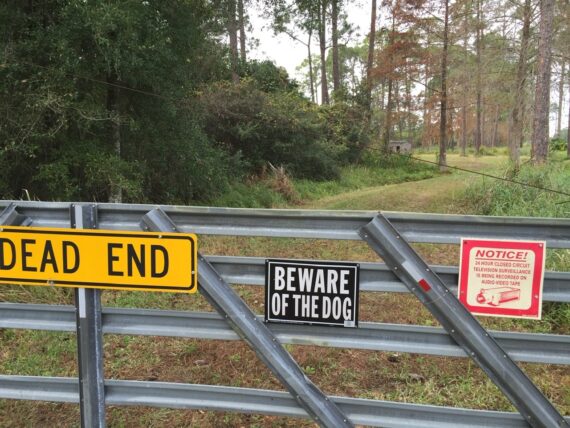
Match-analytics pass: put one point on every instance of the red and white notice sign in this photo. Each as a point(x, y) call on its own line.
point(502, 278)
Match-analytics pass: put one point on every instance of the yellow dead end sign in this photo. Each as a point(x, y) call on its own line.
point(142, 261)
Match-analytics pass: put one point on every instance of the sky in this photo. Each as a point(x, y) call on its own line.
point(289, 53)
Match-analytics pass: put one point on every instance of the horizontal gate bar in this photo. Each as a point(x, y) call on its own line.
point(435, 228)
point(528, 347)
point(375, 276)
point(247, 400)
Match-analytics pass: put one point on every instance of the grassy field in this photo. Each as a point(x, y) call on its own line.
point(367, 374)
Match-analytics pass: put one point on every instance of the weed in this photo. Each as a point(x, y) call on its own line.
point(309, 370)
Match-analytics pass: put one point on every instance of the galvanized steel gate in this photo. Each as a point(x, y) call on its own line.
point(386, 234)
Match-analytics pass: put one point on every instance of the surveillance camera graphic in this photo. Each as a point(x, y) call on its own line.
point(498, 295)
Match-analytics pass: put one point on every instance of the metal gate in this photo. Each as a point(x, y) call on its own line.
point(387, 234)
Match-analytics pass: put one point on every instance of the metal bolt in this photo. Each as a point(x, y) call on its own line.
point(395, 267)
point(427, 269)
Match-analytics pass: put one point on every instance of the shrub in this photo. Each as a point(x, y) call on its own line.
point(557, 144)
point(278, 127)
point(346, 128)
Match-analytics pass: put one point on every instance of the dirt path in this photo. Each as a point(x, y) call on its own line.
point(436, 195)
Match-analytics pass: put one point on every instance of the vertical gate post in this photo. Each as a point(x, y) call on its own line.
point(407, 265)
point(266, 346)
point(89, 336)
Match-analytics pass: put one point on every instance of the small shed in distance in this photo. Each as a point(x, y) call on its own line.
point(400, 147)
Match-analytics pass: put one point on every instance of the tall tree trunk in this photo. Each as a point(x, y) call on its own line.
point(397, 100)
point(465, 82)
point(383, 94)
point(311, 71)
point(560, 98)
point(370, 62)
point(443, 110)
point(542, 92)
point(335, 55)
point(478, 132)
point(388, 120)
point(425, 104)
point(323, 49)
point(515, 142)
point(232, 32)
point(389, 106)
point(495, 127)
point(409, 109)
point(568, 130)
point(464, 127)
point(241, 16)
point(116, 192)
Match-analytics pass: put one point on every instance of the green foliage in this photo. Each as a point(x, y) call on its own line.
point(557, 144)
point(267, 76)
point(346, 129)
point(74, 72)
point(281, 128)
point(258, 195)
point(492, 197)
point(79, 171)
point(131, 95)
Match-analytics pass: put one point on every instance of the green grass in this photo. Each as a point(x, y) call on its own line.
point(374, 171)
point(492, 197)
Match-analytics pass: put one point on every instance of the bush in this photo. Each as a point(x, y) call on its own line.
point(278, 127)
point(557, 144)
point(83, 171)
point(346, 129)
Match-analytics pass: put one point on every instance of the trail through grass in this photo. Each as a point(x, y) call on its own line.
point(437, 194)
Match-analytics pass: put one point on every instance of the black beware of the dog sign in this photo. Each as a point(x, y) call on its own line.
point(309, 292)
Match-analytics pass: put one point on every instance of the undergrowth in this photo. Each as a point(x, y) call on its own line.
point(276, 189)
point(501, 198)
